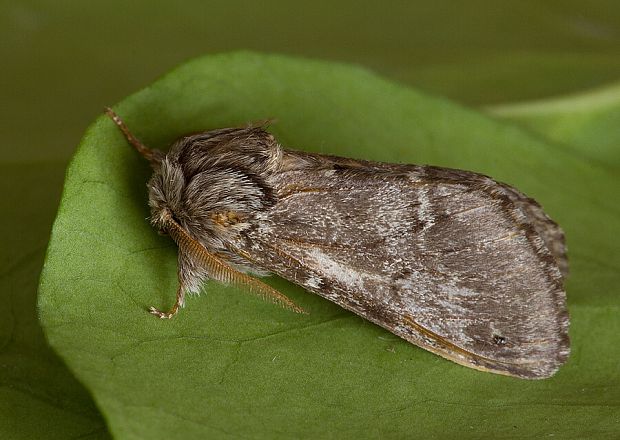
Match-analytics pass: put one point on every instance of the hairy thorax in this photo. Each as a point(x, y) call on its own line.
point(214, 185)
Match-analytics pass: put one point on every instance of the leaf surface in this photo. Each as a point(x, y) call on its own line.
point(587, 123)
point(39, 397)
point(231, 366)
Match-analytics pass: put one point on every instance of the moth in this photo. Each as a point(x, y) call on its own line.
point(452, 261)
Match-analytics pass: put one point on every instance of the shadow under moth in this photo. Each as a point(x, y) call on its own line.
point(449, 260)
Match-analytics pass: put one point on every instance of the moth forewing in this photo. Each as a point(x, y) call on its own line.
point(450, 260)
point(443, 258)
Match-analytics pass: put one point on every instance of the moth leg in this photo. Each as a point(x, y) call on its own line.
point(180, 302)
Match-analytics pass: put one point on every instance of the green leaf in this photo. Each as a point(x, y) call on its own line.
point(39, 397)
point(232, 366)
point(588, 122)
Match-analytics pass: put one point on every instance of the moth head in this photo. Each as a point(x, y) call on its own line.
point(211, 201)
point(165, 191)
point(210, 184)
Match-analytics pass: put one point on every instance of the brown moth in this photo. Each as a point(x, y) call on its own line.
point(449, 260)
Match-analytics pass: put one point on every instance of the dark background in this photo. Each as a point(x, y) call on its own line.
point(64, 60)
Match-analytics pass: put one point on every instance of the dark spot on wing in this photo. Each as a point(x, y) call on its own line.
point(499, 340)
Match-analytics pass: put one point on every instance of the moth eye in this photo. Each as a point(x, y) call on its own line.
point(499, 340)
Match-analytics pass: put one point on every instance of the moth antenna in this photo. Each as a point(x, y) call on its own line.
point(221, 271)
point(153, 156)
point(262, 123)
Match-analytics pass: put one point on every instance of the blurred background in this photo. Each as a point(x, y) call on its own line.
point(63, 61)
